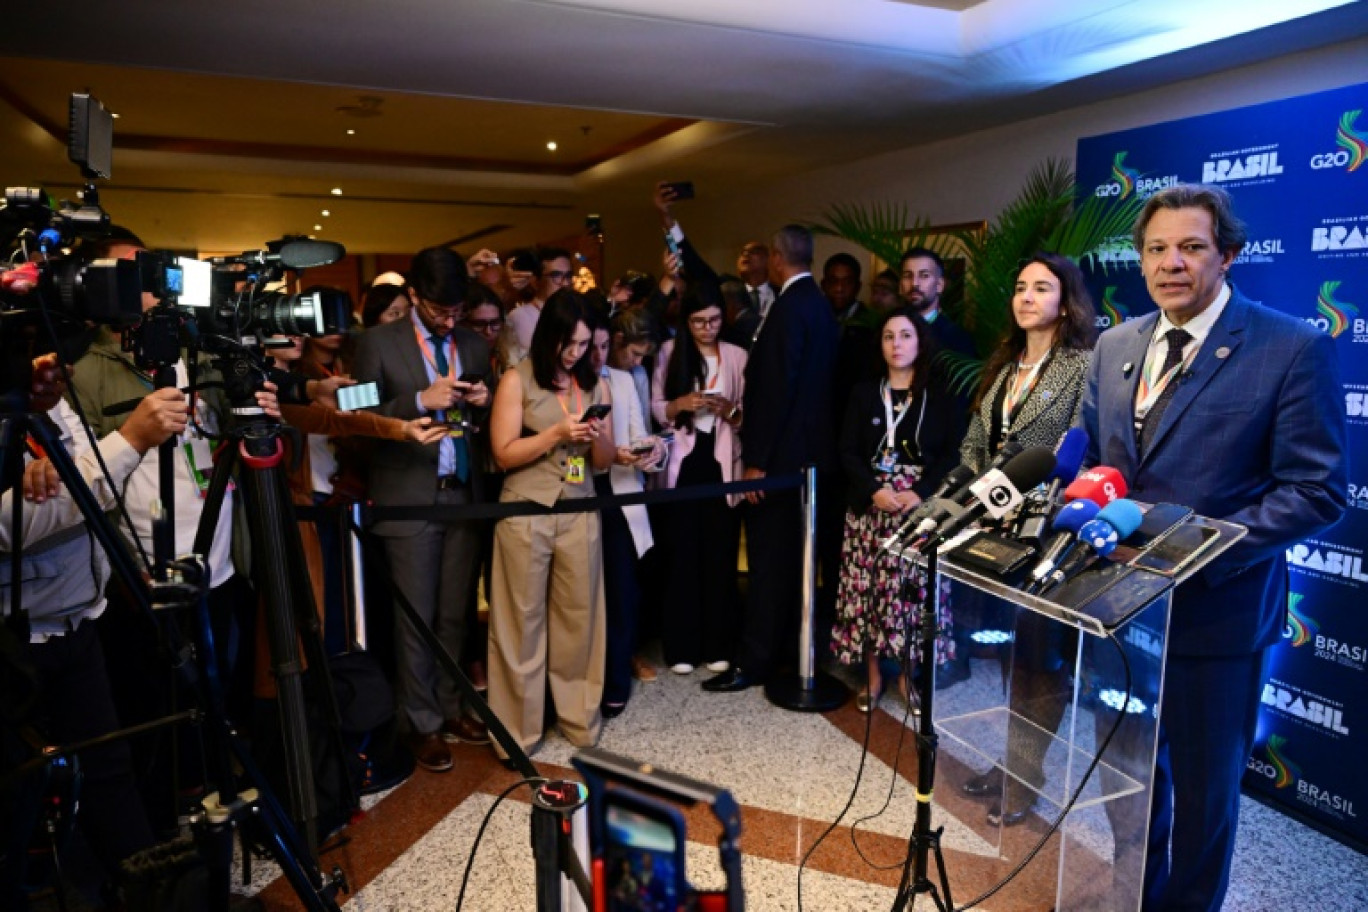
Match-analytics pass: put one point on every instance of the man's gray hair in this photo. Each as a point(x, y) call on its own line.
point(1230, 231)
point(793, 243)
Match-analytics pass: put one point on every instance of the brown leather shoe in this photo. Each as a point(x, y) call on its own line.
point(430, 751)
point(465, 730)
point(642, 670)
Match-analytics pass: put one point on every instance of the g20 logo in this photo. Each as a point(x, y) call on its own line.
point(1330, 160)
point(1353, 146)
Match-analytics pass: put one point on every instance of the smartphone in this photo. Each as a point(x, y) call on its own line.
point(471, 377)
point(643, 853)
point(683, 190)
point(1159, 520)
point(642, 447)
point(1171, 555)
point(599, 411)
point(362, 395)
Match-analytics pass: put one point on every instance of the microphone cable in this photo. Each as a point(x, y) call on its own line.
point(479, 834)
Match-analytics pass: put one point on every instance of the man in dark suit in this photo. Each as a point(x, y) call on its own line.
point(425, 366)
point(921, 284)
point(1235, 410)
point(787, 425)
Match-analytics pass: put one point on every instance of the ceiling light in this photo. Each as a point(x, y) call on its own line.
point(318, 227)
point(351, 132)
point(114, 115)
point(326, 213)
point(336, 191)
point(551, 145)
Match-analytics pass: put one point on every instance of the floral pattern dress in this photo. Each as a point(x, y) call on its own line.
point(879, 596)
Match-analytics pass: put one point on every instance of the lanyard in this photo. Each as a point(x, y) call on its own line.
point(890, 440)
point(431, 358)
point(1151, 387)
point(564, 402)
point(1019, 390)
point(712, 380)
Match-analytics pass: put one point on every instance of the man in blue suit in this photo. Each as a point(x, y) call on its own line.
point(1235, 410)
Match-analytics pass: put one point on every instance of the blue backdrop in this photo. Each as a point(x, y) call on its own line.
point(1297, 171)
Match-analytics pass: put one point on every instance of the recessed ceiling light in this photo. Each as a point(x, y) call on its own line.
point(114, 115)
point(313, 237)
point(318, 227)
point(351, 132)
point(326, 213)
point(551, 145)
point(336, 191)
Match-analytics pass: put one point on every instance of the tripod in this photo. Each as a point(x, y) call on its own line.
point(924, 841)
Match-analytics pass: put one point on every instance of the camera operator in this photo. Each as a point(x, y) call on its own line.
point(64, 572)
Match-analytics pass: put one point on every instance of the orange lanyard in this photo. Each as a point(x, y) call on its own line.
point(431, 358)
point(712, 384)
point(564, 402)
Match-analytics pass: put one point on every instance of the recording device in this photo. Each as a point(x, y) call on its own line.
point(1100, 535)
point(1160, 519)
point(471, 377)
point(1173, 553)
point(953, 485)
point(683, 190)
point(598, 411)
point(1067, 522)
point(1035, 519)
point(642, 447)
point(995, 493)
point(360, 396)
point(643, 853)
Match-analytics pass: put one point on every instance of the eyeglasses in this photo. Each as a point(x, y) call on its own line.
point(483, 325)
point(704, 322)
point(442, 314)
point(557, 275)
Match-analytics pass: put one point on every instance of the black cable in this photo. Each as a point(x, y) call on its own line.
point(489, 814)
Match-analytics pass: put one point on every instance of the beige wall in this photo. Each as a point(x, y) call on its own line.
point(970, 177)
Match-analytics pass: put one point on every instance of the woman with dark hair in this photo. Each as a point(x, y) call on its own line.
point(1032, 386)
point(546, 618)
point(899, 439)
point(1032, 391)
point(697, 389)
point(384, 303)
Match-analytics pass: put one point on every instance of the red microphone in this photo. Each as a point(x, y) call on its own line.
point(1100, 484)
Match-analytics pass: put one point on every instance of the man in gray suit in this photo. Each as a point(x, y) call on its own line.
point(428, 365)
point(1233, 409)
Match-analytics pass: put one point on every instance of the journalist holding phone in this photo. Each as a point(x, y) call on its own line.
point(546, 615)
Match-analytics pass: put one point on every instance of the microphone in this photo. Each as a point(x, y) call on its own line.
point(995, 492)
point(1101, 535)
point(1068, 460)
point(1067, 523)
point(962, 496)
point(955, 479)
point(1100, 484)
point(292, 254)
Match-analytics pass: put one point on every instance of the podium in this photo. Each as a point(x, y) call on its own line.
point(1071, 664)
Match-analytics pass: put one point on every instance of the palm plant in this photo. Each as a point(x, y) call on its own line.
point(1048, 214)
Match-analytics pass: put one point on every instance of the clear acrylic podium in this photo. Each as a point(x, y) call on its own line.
point(1065, 664)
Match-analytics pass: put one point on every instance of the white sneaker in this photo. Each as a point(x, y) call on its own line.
point(719, 667)
point(682, 668)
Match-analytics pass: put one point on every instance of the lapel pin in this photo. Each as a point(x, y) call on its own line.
point(1223, 353)
point(1126, 369)
point(1046, 395)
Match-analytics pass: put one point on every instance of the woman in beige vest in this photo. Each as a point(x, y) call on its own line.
point(546, 610)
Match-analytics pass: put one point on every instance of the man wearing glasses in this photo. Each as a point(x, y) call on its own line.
point(557, 268)
point(429, 366)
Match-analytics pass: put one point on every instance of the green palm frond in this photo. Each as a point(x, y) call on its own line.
point(877, 227)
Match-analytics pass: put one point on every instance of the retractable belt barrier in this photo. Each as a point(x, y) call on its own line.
point(455, 512)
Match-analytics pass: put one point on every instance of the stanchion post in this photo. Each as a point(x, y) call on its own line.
point(809, 690)
point(357, 575)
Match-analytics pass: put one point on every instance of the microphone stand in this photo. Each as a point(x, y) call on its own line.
point(925, 841)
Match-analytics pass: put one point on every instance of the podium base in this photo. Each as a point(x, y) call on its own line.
point(822, 694)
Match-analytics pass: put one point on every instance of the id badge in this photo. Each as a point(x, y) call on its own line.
point(201, 459)
point(887, 462)
point(455, 424)
point(574, 470)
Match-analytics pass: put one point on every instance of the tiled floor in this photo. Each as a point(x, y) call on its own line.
point(793, 774)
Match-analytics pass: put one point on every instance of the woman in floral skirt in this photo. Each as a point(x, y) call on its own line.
point(900, 437)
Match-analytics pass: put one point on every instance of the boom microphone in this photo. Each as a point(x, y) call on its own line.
point(995, 492)
point(294, 254)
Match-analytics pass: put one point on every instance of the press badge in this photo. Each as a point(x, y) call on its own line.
point(455, 424)
point(574, 470)
point(887, 462)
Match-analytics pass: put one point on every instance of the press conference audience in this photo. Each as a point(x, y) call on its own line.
point(696, 393)
point(899, 438)
point(546, 618)
point(384, 304)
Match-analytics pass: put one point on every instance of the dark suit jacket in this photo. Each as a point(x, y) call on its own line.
point(788, 415)
point(1255, 435)
point(931, 437)
point(404, 473)
point(950, 336)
